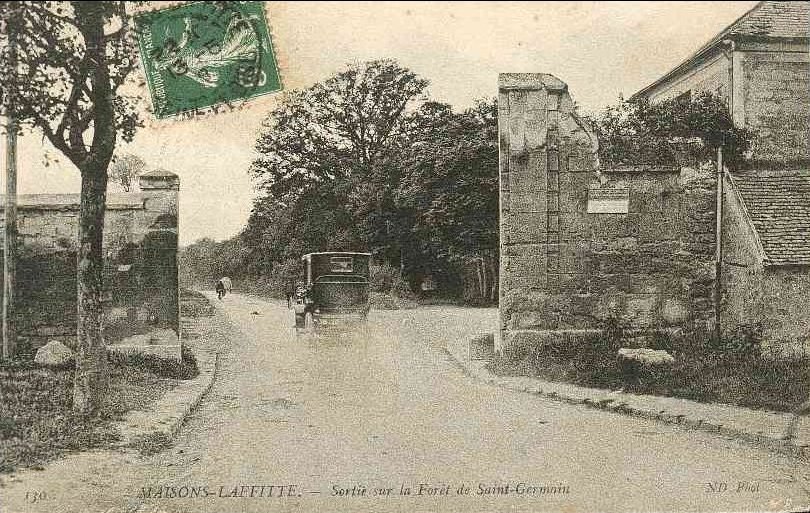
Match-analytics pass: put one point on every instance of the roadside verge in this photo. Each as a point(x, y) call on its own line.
point(759, 427)
point(204, 336)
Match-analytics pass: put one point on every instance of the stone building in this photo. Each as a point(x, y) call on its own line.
point(761, 65)
point(140, 250)
point(766, 255)
point(580, 245)
point(583, 246)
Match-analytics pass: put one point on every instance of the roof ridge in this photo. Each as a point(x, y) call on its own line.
point(729, 30)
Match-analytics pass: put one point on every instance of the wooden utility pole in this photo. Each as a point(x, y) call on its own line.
point(10, 239)
point(718, 246)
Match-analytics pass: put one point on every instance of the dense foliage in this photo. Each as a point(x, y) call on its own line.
point(365, 161)
point(679, 131)
point(64, 65)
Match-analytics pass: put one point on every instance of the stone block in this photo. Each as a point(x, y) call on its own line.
point(54, 354)
point(610, 262)
point(517, 122)
point(640, 310)
point(646, 356)
point(536, 101)
point(165, 352)
point(482, 347)
point(645, 201)
point(527, 264)
point(553, 203)
point(634, 361)
point(573, 225)
point(527, 201)
point(524, 227)
point(655, 227)
point(574, 283)
point(608, 283)
point(578, 164)
point(575, 257)
point(643, 283)
point(527, 181)
point(674, 311)
point(583, 305)
point(610, 305)
point(553, 223)
point(553, 101)
point(553, 162)
point(546, 319)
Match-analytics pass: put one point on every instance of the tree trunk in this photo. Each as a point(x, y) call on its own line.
point(10, 240)
point(493, 292)
point(91, 377)
point(480, 277)
point(484, 280)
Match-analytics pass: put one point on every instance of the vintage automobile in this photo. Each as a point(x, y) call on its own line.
point(334, 294)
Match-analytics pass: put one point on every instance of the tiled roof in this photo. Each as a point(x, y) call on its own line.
point(778, 203)
point(765, 19)
point(772, 19)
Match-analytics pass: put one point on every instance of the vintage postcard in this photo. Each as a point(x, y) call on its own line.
point(405, 257)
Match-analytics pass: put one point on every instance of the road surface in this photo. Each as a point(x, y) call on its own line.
point(389, 423)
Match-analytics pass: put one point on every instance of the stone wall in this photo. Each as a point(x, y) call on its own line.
point(140, 250)
point(776, 92)
point(742, 262)
point(773, 299)
point(569, 263)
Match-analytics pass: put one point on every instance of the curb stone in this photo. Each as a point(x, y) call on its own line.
point(598, 399)
point(171, 411)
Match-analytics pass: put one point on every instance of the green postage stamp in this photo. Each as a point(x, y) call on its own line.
point(205, 53)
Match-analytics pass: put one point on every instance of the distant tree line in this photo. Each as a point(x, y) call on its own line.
point(366, 161)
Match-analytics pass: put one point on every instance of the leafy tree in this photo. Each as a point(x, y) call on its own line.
point(451, 189)
point(678, 131)
point(124, 169)
point(364, 161)
point(335, 142)
point(71, 58)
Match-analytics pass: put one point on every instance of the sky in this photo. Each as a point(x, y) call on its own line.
point(600, 49)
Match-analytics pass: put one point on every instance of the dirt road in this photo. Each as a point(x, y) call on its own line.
point(388, 423)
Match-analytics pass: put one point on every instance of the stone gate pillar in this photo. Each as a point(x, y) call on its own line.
point(547, 155)
point(160, 189)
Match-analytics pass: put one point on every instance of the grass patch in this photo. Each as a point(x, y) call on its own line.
point(153, 443)
point(37, 423)
point(731, 372)
point(194, 304)
point(186, 368)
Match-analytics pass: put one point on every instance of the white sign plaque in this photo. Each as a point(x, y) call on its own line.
point(608, 201)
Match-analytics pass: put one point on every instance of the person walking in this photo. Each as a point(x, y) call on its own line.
point(220, 287)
